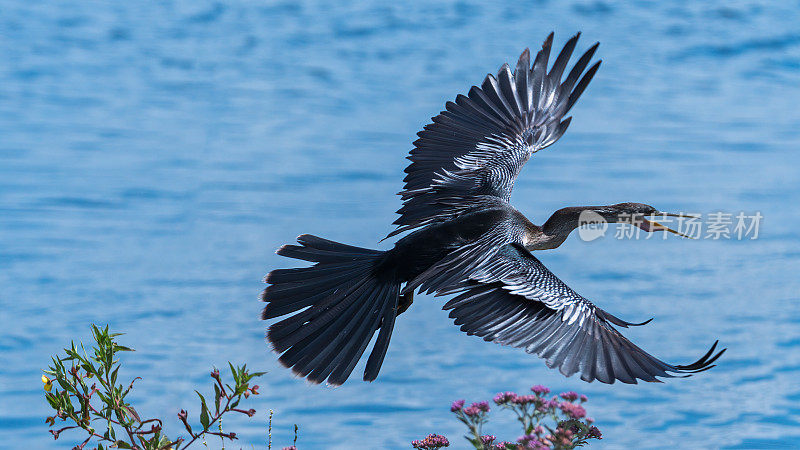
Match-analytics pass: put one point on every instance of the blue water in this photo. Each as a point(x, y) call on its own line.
point(154, 154)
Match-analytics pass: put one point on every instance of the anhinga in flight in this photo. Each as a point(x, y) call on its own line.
point(469, 241)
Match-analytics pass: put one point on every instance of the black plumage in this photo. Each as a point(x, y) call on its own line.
point(467, 241)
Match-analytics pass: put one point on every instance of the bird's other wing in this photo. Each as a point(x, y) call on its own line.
point(478, 145)
point(513, 299)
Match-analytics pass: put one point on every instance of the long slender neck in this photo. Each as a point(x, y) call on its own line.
point(558, 227)
point(563, 221)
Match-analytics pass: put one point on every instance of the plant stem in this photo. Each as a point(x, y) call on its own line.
point(213, 420)
point(269, 431)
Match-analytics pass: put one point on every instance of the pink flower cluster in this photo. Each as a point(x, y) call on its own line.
point(540, 390)
point(488, 439)
point(533, 441)
point(477, 408)
point(572, 410)
point(431, 442)
point(472, 410)
point(571, 429)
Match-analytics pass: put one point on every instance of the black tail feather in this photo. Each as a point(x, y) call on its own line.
point(337, 305)
point(388, 315)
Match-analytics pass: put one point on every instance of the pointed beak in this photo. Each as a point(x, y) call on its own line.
point(652, 225)
point(660, 213)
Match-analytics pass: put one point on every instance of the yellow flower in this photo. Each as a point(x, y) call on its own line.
point(48, 384)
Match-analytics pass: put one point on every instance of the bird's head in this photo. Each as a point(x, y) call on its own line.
point(637, 214)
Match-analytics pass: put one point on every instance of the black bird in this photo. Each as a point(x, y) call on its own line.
point(469, 241)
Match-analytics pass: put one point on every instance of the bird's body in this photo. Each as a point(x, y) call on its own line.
point(466, 239)
point(418, 251)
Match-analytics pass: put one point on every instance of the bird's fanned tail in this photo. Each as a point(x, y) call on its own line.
point(336, 306)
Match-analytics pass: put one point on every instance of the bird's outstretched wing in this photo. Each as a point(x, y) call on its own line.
point(478, 145)
point(513, 299)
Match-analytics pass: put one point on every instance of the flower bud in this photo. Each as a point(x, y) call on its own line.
point(540, 390)
point(183, 415)
point(457, 405)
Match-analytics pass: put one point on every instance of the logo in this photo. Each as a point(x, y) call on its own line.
point(591, 226)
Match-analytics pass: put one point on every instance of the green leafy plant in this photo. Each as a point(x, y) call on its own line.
point(84, 391)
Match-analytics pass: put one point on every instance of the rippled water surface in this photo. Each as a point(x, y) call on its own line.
point(154, 154)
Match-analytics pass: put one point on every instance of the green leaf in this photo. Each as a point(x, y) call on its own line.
point(235, 373)
point(122, 444)
point(217, 395)
point(204, 419)
point(64, 385)
point(131, 412)
point(52, 400)
point(114, 375)
point(240, 388)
